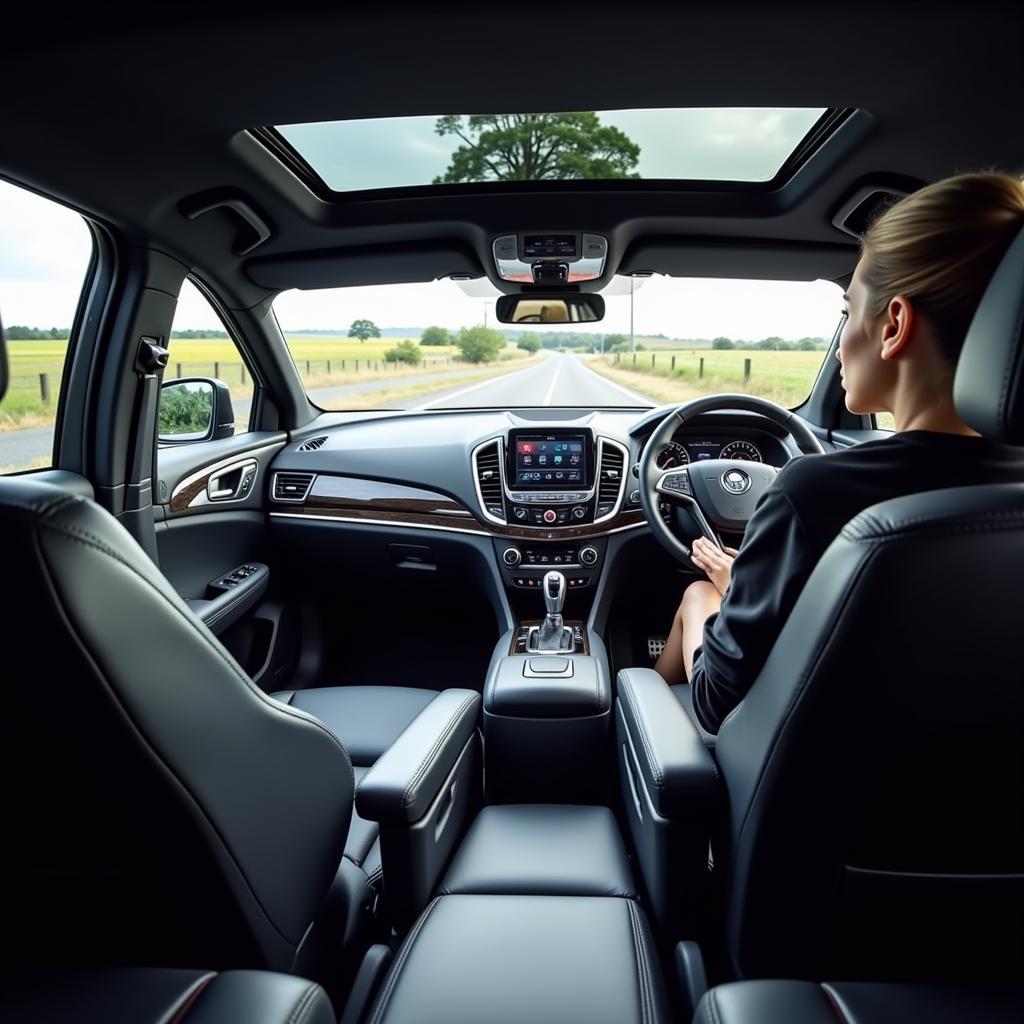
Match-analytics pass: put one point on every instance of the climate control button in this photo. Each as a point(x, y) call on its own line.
point(588, 555)
point(511, 557)
point(550, 516)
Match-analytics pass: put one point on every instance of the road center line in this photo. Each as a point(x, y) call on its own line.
point(473, 387)
point(554, 381)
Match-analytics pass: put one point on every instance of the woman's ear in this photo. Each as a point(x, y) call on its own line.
point(897, 323)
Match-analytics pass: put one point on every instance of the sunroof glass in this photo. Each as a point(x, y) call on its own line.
point(715, 144)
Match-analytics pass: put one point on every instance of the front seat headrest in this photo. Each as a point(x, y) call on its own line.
point(989, 386)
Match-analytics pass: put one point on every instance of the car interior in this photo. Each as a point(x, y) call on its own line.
point(323, 716)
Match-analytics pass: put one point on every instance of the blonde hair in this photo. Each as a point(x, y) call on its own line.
point(940, 247)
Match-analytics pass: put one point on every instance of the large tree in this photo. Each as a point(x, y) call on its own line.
point(363, 329)
point(531, 147)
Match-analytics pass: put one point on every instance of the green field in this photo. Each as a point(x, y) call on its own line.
point(783, 377)
point(320, 359)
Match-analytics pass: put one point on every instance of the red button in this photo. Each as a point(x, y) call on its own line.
point(550, 516)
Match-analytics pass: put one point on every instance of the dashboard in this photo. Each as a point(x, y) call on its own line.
point(547, 488)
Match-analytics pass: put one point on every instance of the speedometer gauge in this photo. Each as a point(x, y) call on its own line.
point(741, 450)
point(673, 456)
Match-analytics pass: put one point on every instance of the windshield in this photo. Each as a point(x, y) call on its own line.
point(663, 339)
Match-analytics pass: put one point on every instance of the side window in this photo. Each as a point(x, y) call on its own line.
point(200, 346)
point(45, 250)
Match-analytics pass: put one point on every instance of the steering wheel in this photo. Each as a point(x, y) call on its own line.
point(716, 494)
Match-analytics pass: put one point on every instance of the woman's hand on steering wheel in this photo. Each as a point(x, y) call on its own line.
point(716, 562)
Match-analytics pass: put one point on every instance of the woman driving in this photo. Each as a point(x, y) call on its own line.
point(923, 267)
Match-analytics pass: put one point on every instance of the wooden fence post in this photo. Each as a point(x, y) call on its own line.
point(328, 367)
point(242, 377)
point(216, 370)
point(634, 359)
point(308, 374)
point(746, 371)
point(179, 368)
point(653, 357)
point(673, 366)
point(700, 371)
point(44, 388)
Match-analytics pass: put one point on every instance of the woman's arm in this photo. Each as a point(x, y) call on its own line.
point(767, 576)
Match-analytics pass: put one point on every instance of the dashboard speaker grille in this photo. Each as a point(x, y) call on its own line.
point(488, 479)
point(292, 486)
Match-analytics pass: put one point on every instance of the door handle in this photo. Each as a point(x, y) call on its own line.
point(233, 482)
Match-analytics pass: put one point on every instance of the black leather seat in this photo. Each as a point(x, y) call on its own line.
point(541, 850)
point(873, 771)
point(850, 1002)
point(366, 720)
point(510, 959)
point(163, 809)
point(154, 995)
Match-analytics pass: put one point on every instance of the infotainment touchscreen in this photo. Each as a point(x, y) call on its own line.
point(555, 461)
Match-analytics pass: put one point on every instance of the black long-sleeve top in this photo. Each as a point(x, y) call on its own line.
point(793, 523)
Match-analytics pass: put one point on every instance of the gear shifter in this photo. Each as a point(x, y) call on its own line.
point(552, 635)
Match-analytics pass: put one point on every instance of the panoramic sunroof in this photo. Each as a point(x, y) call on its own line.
point(748, 144)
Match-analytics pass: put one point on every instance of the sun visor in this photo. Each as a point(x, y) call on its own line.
point(728, 258)
point(365, 265)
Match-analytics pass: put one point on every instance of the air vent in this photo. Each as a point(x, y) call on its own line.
point(292, 486)
point(487, 472)
point(610, 478)
point(312, 444)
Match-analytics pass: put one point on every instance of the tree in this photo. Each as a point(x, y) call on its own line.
point(531, 147)
point(363, 329)
point(480, 344)
point(723, 343)
point(616, 343)
point(404, 352)
point(529, 343)
point(435, 336)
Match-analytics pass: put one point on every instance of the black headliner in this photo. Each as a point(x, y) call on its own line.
point(126, 117)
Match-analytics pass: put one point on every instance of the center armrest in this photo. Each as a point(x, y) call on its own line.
point(678, 770)
point(408, 776)
point(423, 791)
point(670, 794)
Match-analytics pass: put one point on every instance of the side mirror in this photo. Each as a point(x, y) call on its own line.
point(3, 363)
point(553, 308)
point(194, 409)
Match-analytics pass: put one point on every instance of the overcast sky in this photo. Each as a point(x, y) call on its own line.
point(724, 143)
point(44, 254)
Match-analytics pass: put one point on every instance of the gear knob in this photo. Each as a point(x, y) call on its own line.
point(554, 592)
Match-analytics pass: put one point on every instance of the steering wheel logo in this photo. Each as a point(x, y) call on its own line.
point(735, 481)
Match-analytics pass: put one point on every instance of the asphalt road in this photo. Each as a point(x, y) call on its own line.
point(559, 379)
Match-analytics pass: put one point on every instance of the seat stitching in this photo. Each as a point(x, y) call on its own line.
point(716, 1017)
point(88, 539)
point(409, 794)
point(44, 508)
point(403, 955)
point(642, 979)
point(298, 1012)
point(648, 753)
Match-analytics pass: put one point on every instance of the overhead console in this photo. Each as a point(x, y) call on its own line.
point(551, 257)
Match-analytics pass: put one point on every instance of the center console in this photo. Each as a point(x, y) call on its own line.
point(549, 489)
point(547, 706)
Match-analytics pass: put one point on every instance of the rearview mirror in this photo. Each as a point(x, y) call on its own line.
point(3, 363)
point(532, 308)
point(195, 409)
